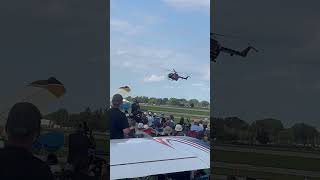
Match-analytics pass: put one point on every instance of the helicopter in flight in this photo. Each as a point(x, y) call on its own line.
point(216, 48)
point(174, 76)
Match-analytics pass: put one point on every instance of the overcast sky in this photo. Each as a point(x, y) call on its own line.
point(281, 81)
point(65, 39)
point(149, 38)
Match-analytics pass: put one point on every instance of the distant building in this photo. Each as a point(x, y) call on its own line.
point(46, 123)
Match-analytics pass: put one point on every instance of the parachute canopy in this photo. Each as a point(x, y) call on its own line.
point(52, 85)
point(125, 89)
point(41, 93)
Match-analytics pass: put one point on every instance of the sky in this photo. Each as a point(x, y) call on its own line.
point(280, 81)
point(64, 39)
point(149, 38)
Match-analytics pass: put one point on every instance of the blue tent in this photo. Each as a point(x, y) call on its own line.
point(51, 141)
point(125, 106)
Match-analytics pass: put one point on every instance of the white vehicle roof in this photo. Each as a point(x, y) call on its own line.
point(140, 157)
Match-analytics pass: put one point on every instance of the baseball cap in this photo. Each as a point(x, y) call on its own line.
point(24, 118)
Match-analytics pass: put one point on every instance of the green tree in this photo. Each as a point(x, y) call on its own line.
point(173, 101)
point(165, 100)
point(271, 127)
point(304, 133)
point(205, 104)
point(194, 102)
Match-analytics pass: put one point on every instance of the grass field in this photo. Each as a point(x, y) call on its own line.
point(263, 160)
point(266, 160)
point(176, 110)
point(260, 175)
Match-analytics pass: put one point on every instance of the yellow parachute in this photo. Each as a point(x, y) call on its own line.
point(40, 93)
point(124, 90)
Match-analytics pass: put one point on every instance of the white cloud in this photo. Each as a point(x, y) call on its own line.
point(141, 59)
point(125, 27)
point(189, 4)
point(154, 78)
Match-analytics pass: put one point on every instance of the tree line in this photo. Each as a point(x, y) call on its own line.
point(234, 129)
point(96, 119)
point(192, 103)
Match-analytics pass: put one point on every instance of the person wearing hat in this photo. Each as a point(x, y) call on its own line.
point(78, 145)
point(196, 126)
point(22, 129)
point(139, 132)
point(140, 126)
point(178, 130)
point(119, 122)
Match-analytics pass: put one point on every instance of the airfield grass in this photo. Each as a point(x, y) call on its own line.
point(257, 175)
point(266, 160)
point(175, 110)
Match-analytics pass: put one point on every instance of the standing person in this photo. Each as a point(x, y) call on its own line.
point(119, 121)
point(86, 128)
point(92, 140)
point(16, 159)
point(79, 144)
point(135, 107)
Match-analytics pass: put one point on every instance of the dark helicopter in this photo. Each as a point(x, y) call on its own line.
point(216, 48)
point(174, 76)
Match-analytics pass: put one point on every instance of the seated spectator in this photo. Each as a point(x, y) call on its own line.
point(167, 131)
point(171, 122)
point(81, 170)
point(162, 119)
point(157, 123)
point(179, 130)
point(132, 131)
point(147, 129)
point(53, 163)
point(200, 135)
point(150, 119)
point(196, 126)
point(207, 134)
point(139, 132)
point(182, 123)
point(193, 134)
point(205, 123)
